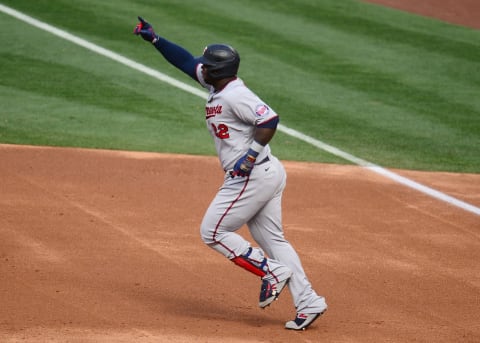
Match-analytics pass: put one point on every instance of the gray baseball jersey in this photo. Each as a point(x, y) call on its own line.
point(232, 115)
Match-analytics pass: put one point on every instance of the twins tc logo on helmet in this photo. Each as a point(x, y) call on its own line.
point(262, 110)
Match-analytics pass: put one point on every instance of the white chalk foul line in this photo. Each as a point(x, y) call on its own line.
point(291, 132)
point(382, 171)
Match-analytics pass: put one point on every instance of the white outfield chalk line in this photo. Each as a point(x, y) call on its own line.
point(382, 171)
point(99, 50)
point(192, 90)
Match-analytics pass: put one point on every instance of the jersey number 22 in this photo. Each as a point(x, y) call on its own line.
point(221, 131)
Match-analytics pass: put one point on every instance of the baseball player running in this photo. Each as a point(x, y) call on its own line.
point(242, 125)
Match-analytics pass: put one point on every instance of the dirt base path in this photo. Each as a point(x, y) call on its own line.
point(104, 246)
point(461, 12)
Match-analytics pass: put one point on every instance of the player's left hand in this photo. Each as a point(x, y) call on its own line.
point(145, 30)
point(244, 166)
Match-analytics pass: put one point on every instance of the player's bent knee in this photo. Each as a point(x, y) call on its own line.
point(206, 234)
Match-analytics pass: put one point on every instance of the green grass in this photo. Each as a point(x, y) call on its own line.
point(393, 88)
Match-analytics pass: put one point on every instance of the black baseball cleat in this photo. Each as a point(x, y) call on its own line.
point(303, 320)
point(269, 292)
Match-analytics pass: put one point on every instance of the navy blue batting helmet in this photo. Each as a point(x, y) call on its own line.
point(221, 61)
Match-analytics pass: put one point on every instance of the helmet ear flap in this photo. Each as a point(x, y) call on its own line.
point(214, 73)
